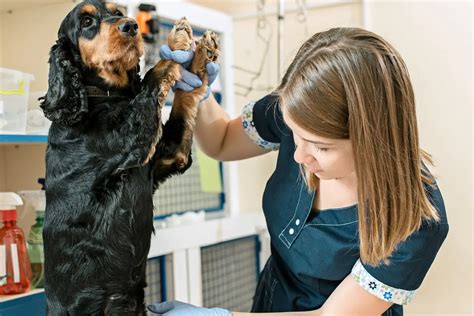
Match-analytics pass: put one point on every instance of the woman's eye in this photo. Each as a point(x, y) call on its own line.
point(87, 21)
point(320, 149)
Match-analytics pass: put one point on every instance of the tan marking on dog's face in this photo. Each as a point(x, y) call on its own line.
point(111, 7)
point(111, 53)
point(89, 9)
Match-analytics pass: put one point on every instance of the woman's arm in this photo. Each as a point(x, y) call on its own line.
point(220, 137)
point(349, 299)
point(310, 313)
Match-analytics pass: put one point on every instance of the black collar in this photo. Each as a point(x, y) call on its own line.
point(96, 92)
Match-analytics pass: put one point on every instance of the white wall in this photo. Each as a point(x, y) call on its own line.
point(435, 39)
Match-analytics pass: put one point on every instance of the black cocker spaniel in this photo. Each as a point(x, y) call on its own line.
point(107, 153)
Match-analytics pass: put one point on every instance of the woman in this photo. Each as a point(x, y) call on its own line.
point(354, 215)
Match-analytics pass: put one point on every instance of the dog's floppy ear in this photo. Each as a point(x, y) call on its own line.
point(66, 99)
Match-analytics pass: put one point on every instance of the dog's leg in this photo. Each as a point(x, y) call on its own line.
point(146, 113)
point(174, 149)
point(167, 71)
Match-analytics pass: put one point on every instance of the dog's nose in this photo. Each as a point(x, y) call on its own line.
point(129, 27)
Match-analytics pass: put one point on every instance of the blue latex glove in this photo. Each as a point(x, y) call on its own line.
point(177, 308)
point(189, 81)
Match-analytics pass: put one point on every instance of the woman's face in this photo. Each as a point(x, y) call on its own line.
point(327, 158)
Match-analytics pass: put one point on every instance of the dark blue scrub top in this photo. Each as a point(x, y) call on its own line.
point(312, 253)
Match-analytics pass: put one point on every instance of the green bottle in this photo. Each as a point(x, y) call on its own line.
point(35, 250)
point(36, 201)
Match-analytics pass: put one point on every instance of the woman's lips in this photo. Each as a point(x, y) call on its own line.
point(313, 170)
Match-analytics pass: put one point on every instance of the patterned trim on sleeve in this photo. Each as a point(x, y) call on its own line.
point(249, 127)
point(379, 289)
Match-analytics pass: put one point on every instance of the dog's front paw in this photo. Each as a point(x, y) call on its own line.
point(207, 50)
point(167, 72)
point(181, 36)
point(210, 41)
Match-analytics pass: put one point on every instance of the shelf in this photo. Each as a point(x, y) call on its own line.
point(22, 138)
point(6, 298)
point(32, 303)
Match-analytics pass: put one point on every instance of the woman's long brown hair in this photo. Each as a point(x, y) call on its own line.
point(349, 83)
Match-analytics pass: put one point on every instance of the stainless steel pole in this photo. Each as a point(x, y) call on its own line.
point(281, 34)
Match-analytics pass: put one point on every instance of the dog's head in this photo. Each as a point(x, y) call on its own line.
point(94, 40)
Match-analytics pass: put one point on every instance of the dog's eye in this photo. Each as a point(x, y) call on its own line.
point(118, 13)
point(86, 21)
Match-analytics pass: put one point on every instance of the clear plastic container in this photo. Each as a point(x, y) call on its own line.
point(14, 90)
point(36, 122)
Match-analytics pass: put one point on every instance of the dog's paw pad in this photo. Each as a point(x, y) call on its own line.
point(183, 25)
point(207, 50)
point(181, 36)
point(210, 42)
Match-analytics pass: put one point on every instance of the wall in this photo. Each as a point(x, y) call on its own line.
point(2, 170)
point(23, 165)
point(26, 36)
point(435, 39)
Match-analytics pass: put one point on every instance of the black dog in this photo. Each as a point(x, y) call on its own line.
point(107, 153)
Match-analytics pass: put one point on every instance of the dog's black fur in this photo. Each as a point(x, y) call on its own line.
point(102, 167)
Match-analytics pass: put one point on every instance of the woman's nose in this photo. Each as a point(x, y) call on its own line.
point(301, 154)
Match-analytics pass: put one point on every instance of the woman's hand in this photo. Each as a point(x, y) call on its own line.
point(189, 81)
point(177, 308)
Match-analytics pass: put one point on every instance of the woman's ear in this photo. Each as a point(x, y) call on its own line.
point(66, 99)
